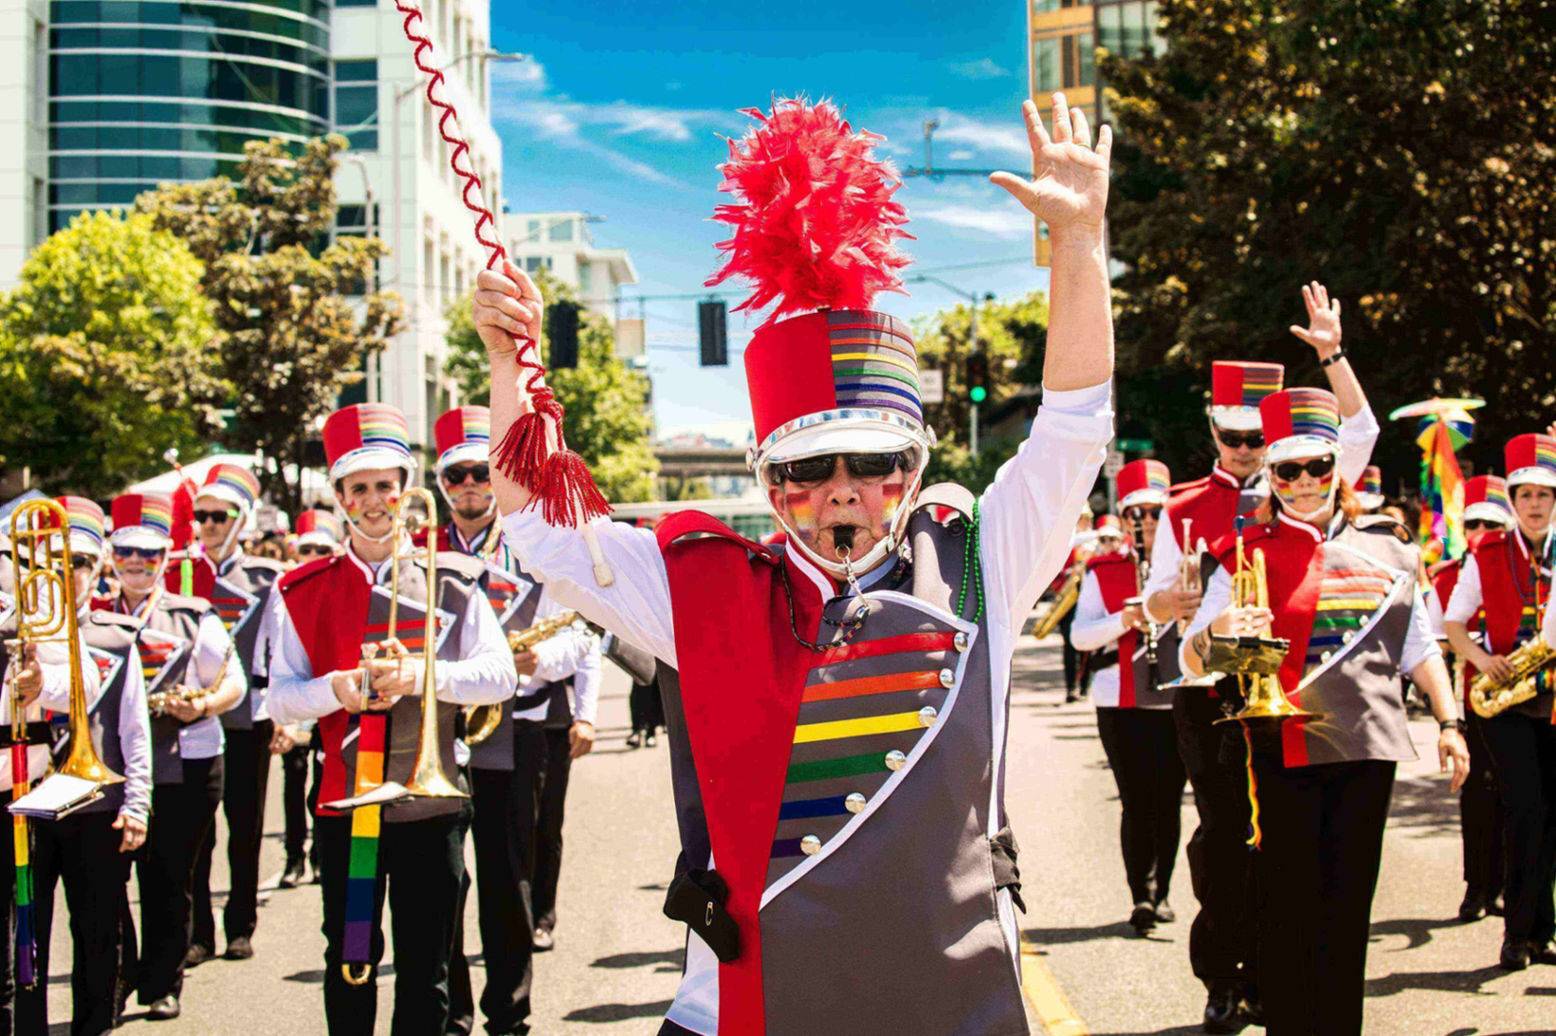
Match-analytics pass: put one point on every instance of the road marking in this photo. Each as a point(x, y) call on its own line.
point(1047, 999)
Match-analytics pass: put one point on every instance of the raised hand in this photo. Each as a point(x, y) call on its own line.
point(508, 307)
point(1323, 319)
point(1069, 184)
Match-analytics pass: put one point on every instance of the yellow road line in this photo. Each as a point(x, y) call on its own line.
point(1058, 1018)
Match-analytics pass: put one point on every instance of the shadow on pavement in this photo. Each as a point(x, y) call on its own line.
point(1042, 937)
point(1416, 930)
point(1424, 806)
point(1179, 1030)
point(1439, 981)
point(316, 975)
point(618, 1012)
point(641, 959)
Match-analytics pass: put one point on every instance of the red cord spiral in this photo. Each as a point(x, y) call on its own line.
point(558, 479)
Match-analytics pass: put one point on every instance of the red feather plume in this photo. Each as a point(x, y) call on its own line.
point(816, 224)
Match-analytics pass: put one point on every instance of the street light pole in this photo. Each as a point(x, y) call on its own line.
point(972, 334)
point(370, 370)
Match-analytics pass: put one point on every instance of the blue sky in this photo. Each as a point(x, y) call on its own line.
point(619, 114)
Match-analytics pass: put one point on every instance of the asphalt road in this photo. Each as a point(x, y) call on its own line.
point(617, 960)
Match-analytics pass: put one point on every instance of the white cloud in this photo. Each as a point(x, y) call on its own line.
point(1006, 137)
point(528, 74)
point(1001, 222)
point(962, 155)
point(983, 68)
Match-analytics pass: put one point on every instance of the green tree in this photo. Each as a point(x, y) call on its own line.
point(107, 356)
point(1400, 153)
point(297, 318)
point(608, 421)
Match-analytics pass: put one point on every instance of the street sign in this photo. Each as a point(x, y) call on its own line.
point(1114, 464)
point(931, 385)
point(1134, 445)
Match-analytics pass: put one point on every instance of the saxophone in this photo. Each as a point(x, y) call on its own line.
point(482, 720)
point(1532, 672)
point(157, 703)
point(1069, 593)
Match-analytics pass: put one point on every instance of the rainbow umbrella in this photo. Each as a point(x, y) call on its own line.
point(1445, 425)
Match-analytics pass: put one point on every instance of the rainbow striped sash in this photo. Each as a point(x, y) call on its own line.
point(362, 873)
point(26, 948)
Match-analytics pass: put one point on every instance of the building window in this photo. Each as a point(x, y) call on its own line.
point(429, 270)
point(356, 3)
point(356, 102)
point(561, 231)
point(536, 262)
point(1064, 62)
point(585, 279)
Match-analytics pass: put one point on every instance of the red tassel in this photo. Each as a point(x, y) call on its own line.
point(523, 450)
point(568, 495)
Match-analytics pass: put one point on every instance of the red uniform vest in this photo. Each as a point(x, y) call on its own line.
point(1117, 579)
point(1210, 504)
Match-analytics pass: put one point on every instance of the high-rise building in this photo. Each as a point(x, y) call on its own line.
point(104, 99)
point(561, 244)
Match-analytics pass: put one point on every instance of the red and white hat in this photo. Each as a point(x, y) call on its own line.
point(319, 527)
point(1236, 390)
point(1143, 482)
point(1531, 458)
point(1108, 525)
point(87, 524)
point(1485, 500)
point(1300, 422)
point(142, 520)
point(366, 436)
point(233, 483)
point(1369, 488)
point(463, 436)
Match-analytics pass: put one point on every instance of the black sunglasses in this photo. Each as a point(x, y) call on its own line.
point(1480, 525)
point(82, 561)
point(1140, 512)
point(219, 517)
point(313, 548)
point(1232, 440)
point(1291, 470)
point(144, 553)
point(860, 465)
point(458, 475)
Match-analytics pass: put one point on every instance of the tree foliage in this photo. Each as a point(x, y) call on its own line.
point(1401, 153)
point(608, 422)
point(296, 320)
point(107, 356)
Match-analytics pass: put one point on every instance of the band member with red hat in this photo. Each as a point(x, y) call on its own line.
point(1134, 715)
point(88, 849)
point(186, 657)
point(325, 613)
point(319, 534)
point(1481, 818)
point(1506, 578)
point(237, 585)
point(872, 646)
point(1221, 950)
point(1369, 490)
point(523, 757)
point(1345, 601)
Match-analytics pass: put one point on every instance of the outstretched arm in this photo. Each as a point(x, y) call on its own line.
point(508, 307)
point(1359, 428)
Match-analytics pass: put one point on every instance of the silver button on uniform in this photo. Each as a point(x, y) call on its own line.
point(926, 716)
point(895, 760)
point(810, 845)
point(854, 803)
point(961, 641)
point(947, 679)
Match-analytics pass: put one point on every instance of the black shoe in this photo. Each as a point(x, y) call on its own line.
point(544, 940)
point(293, 875)
point(1143, 917)
point(164, 1009)
point(1164, 913)
point(1253, 1007)
point(196, 956)
point(635, 739)
point(1516, 955)
point(239, 948)
point(1224, 1012)
point(650, 741)
point(1070, 697)
point(1544, 953)
point(1474, 906)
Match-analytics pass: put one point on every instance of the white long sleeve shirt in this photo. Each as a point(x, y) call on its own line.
point(573, 652)
point(204, 738)
point(54, 663)
point(1096, 628)
point(1468, 597)
point(484, 676)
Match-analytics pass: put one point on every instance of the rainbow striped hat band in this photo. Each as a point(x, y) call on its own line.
point(1531, 458)
point(1369, 488)
point(1300, 422)
point(1485, 499)
point(837, 380)
point(1238, 388)
point(87, 523)
point(142, 520)
point(1143, 482)
point(233, 483)
point(367, 435)
point(316, 526)
point(463, 435)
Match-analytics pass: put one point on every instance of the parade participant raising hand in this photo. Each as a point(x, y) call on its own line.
point(1069, 185)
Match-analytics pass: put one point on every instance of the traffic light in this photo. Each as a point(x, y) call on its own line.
point(562, 335)
point(712, 327)
point(977, 376)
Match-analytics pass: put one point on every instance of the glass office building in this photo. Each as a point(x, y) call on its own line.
point(143, 92)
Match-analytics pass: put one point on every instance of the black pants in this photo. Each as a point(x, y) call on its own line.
point(1318, 869)
point(646, 707)
point(1072, 657)
point(461, 998)
point(294, 799)
point(83, 851)
point(1223, 949)
point(247, 764)
point(181, 816)
point(1481, 819)
point(1523, 750)
point(1142, 750)
point(420, 866)
point(315, 776)
point(507, 808)
point(548, 824)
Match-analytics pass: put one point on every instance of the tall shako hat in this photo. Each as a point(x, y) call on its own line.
point(233, 483)
point(365, 436)
point(1485, 499)
point(1236, 390)
point(1108, 525)
point(1143, 482)
point(86, 523)
point(1300, 422)
point(815, 229)
point(321, 527)
point(463, 435)
point(1531, 458)
point(143, 520)
point(1369, 488)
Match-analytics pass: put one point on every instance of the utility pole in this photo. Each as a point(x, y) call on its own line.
point(972, 337)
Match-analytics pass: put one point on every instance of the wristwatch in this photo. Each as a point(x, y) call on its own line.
point(1333, 358)
point(1451, 724)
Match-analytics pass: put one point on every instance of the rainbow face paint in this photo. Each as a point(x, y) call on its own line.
point(1288, 495)
point(891, 500)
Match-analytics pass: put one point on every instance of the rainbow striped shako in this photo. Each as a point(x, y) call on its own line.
point(365, 436)
point(1143, 482)
point(1485, 499)
point(233, 483)
point(463, 436)
point(1531, 458)
point(1238, 387)
point(142, 520)
point(1300, 422)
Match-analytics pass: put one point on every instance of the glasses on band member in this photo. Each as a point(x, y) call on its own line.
point(860, 465)
point(461, 473)
point(1480, 525)
point(1291, 470)
point(144, 553)
point(1140, 512)
point(314, 548)
point(219, 517)
point(82, 561)
point(1232, 440)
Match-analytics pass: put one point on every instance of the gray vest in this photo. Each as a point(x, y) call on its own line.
point(239, 597)
point(515, 597)
point(166, 645)
point(110, 638)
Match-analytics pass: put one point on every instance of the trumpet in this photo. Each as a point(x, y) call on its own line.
point(1189, 566)
point(481, 720)
point(1151, 631)
point(1255, 660)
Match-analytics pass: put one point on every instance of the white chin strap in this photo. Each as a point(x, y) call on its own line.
point(1309, 516)
point(876, 554)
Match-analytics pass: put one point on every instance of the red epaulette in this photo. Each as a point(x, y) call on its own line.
point(1111, 557)
point(1489, 538)
point(1439, 567)
point(302, 572)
